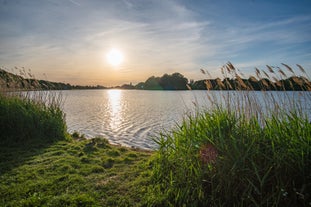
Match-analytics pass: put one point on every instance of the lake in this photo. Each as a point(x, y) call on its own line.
point(127, 117)
point(133, 117)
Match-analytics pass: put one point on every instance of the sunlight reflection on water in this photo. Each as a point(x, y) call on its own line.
point(114, 99)
point(134, 117)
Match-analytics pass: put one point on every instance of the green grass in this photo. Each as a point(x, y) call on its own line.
point(24, 119)
point(253, 165)
point(244, 151)
point(238, 153)
point(73, 173)
point(41, 165)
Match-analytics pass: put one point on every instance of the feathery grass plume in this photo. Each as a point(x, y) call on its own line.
point(307, 83)
point(252, 78)
point(277, 82)
point(301, 69)
point(288, 68)
point(265, 84)
point(228, 68)
point(30, 74)
point(188, 86)
point(274, 87)
point(220, 84)
point(282, 73)
point(266, 74)
point(297, 80)
point(222, 71)
point(205, 72)
point(241, 82)
point(202, 71)
point(231, 66)
point(208, 84)
point(275, 79)
point(258, 73)
point(291, 85)
point(228, 84)
point(22, 71)
point(270, 69)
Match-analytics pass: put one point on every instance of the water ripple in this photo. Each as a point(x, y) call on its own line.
point(129, 117)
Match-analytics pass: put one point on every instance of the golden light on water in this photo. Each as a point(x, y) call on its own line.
point(115, 108)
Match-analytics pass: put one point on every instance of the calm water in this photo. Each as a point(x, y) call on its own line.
point(127, 117)
point(133, 117)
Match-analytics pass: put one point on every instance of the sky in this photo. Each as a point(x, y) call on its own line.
point(68, 40)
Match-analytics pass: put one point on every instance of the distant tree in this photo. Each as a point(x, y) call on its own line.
point(153, 83)
point(127, 86)
point(166, 82)
point(179, 81)
point(140, 85)
point(176, 81)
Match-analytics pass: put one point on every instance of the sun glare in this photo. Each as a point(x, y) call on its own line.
point(115, 57)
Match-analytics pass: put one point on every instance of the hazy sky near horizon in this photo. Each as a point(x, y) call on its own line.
point(68, 40)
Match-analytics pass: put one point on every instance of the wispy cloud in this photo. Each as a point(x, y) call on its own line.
point(75, 2)
point(157, 36)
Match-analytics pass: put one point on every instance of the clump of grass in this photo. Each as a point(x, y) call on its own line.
point(24, 117)
point(249, 149)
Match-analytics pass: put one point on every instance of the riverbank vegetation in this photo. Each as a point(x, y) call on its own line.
point(31, 116)
point(246, 150)
point(274, 79)
point(42, 165)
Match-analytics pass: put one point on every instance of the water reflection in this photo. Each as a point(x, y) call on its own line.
point(114, 108)
point(135, 117)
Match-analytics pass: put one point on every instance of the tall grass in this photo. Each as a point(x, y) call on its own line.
point(247, 150)
point(28, 116)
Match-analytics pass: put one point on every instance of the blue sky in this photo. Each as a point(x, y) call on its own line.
point(67, 40)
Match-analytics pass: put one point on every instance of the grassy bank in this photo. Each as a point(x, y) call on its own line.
point(72, 173)
point(42, 165)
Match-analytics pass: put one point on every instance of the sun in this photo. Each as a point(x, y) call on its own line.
point(115, 57)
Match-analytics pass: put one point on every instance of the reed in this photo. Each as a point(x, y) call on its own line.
point(26, 116)
point(249, 149)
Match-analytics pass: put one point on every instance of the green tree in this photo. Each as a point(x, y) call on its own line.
point(176, 81)
point(153, 83)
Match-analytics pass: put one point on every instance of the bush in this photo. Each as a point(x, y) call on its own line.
point(24, 119)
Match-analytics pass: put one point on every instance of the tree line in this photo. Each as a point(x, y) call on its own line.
point(177, 81)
